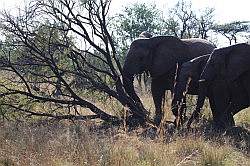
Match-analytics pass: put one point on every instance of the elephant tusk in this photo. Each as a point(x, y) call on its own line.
point(202, 80)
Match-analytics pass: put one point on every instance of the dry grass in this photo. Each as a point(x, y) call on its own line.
point(88, 143)
point(242, 118)
point(65, 143)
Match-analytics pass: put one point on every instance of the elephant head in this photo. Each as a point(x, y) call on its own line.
point(156, 55)
point(227, 63)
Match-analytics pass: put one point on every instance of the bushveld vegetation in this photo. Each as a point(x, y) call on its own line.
point(62, 101)
point(43, 142)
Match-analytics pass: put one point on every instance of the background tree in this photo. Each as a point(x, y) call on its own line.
point(232, 30)
point(43, 56)
point(205, 22)
point(184, 22)
point(131, 23)
point(135, 19)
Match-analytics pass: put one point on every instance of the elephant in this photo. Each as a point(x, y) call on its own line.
point(187, 82)
point(225, 79)
point(159, 56)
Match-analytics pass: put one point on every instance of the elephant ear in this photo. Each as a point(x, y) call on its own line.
point(237, 61)
point(166, 51)
point(215, 65)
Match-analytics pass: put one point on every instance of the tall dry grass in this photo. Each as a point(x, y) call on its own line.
point(85, 143)
point(90, 143)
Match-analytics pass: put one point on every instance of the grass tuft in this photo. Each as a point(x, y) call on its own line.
point(87, 143)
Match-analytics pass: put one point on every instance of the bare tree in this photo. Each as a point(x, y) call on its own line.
point(232, 30)
point(205, 22)
point(181, 20)
point(184, 22)
point(54, 43)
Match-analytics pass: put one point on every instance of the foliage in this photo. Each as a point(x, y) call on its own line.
point(184, 22)
point(232, 30)
point(55, 46)
point(136, 19)
point(205, 22)
point(132, 21)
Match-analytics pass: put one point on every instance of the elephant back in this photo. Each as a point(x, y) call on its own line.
point(232, 61)
point(171, 42)
point(198, 47)
point(237, 61)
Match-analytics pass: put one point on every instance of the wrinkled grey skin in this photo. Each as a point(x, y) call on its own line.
point(159, 56)
point(226, 81)
point(189, 71)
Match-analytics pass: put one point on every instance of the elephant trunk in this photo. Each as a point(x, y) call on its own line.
point(203, 87)
point(128, 80)
point(180, 91)
point(201, 96)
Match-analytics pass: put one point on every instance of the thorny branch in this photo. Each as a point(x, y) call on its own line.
point(45, 59)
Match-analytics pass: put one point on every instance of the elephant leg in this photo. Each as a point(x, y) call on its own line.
point(221, 118)
point(217, 118)
point(222, 113)
point(248, 94)
point(224, 120)
point(230, 119)
point(246, 84)
point(158, 92)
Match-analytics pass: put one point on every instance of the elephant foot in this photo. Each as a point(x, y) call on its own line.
point(225, 122)
point(220, 126)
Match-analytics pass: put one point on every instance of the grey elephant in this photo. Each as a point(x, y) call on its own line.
point(225, 79)
point(187, 82)
point(160, 56)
